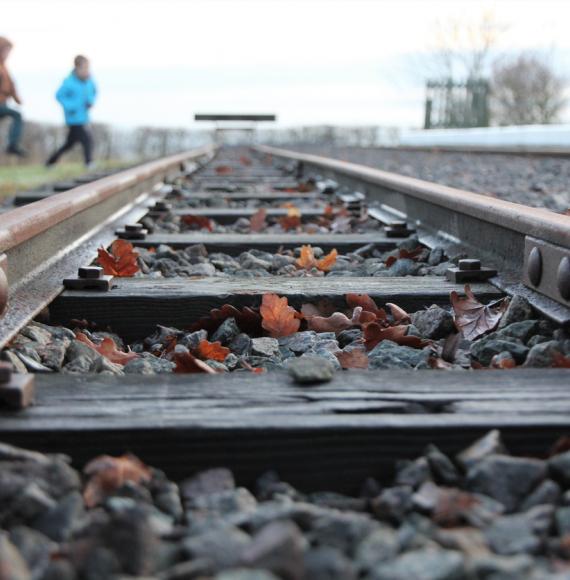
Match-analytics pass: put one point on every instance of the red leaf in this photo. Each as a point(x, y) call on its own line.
point(473, 318)
point(257, 221)
point(288, 222)
point(108, 349)
point(337, 322)
point(107, 474)
point(560, 361)
point(328, 261)
point(374, 334)
point(278, 318)
point(212, 350)
point(355, 358)
point(187, 363)
point(121, 261)
point(198, 222)
point(368, 305)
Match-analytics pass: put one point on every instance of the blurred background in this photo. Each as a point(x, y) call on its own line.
point(335, 72)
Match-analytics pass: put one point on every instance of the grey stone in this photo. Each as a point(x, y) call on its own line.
point(57, 332)
point(520, 330)
point(310, 369)
point(11, 357)
point(226, 332)
point(193, 339)
point(245, 574)
point(105, 366)
point(278, 547)
point(436, 256)
point(265, 346)
point(548, 492)
point(207, 482)
point(300, 342)
point(519, 309)
point(559, 467)
point(223, 503)
point(31, 363)
point(541, 355)
point(280, 261)
point(249, 262)
point(148, 364)
point(435, 322)
point(510, 535)
point(78, 349)
point(37, 334)
point(442, 468)
point(562, 518)
point(489, 444)
point(59, 522)
point(389, 355)
point(379, 546)
point(241, 345)
point(32, 502)
point(492, 567)
point(507, 479)
point(217, 365)
point(423, 564)
point(326, 563)
point(537, 339)
point(201, 270)
point(486, 348)
point(196, 251)
point(34, 548)
point(167, 499)
point(53, 353)
point(393, 503)
point(403, 267)
point(413, 473)
point(349, 336)
point(60, 570)
point(222, 547)
point(323, 353)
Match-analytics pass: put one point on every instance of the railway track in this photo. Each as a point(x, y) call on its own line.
point(249, 229)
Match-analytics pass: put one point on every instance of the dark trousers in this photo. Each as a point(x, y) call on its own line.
point(16, 127)
point(75, 134)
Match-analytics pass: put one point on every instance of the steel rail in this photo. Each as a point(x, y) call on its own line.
point(491, 229)
point(34, 237)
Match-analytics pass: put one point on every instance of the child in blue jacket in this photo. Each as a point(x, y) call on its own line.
point(77, 95)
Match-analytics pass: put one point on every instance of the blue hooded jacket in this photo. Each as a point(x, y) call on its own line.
point(76, 96)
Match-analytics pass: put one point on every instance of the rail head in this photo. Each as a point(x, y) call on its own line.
point(21, 224)
point(536, 222)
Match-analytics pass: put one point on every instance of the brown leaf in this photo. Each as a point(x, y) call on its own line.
point(356, 358)
point(257, 220)
point(212, 350)
point(121, 261)
point(368, 305)
point(398, 314)
point(198, 222)
point(403, 253)
point(307, 258)
point(323, 307)
point(328, 261)
point(187, 363)
point(288, 222)
point(245, 160)
point(224, 170)
point(337, 322)
point(108, 349)
point(499, 362)
point(473, 318)
point(374, 334)
point(560, 361)
point(248, 319)
point(107, 474)
point(278, 318)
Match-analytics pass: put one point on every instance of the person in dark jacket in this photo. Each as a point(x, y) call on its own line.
point(77, 95)
point(8, 91)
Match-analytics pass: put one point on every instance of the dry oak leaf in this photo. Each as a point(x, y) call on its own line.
point(108, 349)
point(198, 222)
point(328, 261)
point(224, 170)
point(472, 318)
point(257, 221)
point(374, 333)
point(121, 261)
point(307, 259)
point(187, 363)
point(278, 318)
point(355, 358)
point(212, 350)
point(107, 474)
point(367, 304)
point(337, 322)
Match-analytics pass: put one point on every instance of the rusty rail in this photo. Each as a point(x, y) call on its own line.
point(34, 236)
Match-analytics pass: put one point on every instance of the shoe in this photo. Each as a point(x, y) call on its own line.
point(15, 150)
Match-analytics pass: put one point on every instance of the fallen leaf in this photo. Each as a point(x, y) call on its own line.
point(293, 211)
point(367, 303)
point(450, 346)
point(256, 370)
point(108, 349)
point(121, 261)
point(323, 307)
point(198, 222)
point(453, 506)
point(278, 318)
point(245, 160)
point(337, 322)
point(224, 170)
point(355, 358)
point(307, 258)
point(398, 314)
point(187, 363)
point(328, 212)
point(374, 333)
point(472, 318)
point(107, 474)
point(248, 319)
point(212, 350)
point(328, 261)
point(404, 254)
point(257, 220)
point(288, 223)
point(560, 361)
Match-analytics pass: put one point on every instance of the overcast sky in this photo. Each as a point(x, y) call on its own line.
point(343, 62)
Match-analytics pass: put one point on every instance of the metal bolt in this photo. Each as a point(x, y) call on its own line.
point(398, 225)
point(534, 266)
point(6, 369)
point(89, 272)
point(469, 264)
point(563, 278)
point(133, 227)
